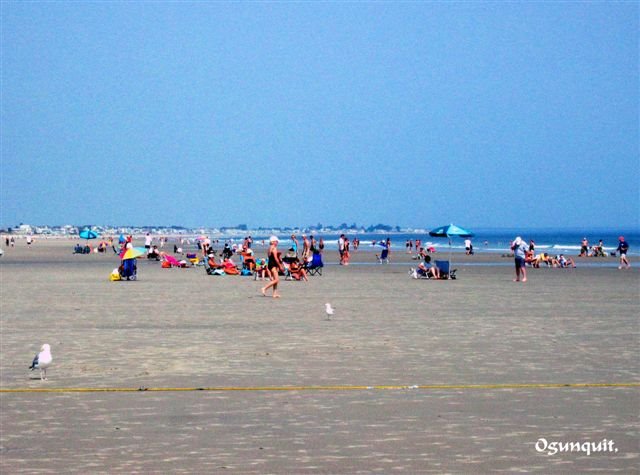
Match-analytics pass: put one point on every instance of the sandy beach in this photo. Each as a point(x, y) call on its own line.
point(475, 375)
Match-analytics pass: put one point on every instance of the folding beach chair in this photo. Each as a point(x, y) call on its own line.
point(129, 270)
point(445, 271)
point(315, 266)
point(260, 270)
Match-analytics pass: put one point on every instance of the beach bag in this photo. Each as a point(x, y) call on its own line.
point(115, 275)
point(245, 272)
point(165, 265)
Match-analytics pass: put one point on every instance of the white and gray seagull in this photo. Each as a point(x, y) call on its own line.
point(42, 361)
point(329, 309)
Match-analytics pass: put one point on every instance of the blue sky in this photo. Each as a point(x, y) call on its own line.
point(296, 113)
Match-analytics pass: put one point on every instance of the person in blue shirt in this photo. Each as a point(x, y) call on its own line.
point(623, 247)
point(519, 251)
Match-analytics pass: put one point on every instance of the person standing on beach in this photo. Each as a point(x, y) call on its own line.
point(623, 247)
point(274, 266)
point(314, 244)
point(306, 248)
point(584, 248)
point(345, 253)
point(148, 240)
point(519, 251)
point(294, 244)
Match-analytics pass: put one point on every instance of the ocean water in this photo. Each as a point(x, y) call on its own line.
point(496, 240)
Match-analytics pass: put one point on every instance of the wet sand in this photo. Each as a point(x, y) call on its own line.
point(182, 329)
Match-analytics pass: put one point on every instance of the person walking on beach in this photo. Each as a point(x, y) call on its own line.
point(622, 248)
point(274, 266)
point(341, 248)
point(519, 250)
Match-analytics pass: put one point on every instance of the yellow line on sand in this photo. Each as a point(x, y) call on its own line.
point(328, 388)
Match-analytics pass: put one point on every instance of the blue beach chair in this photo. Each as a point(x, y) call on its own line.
point(445, 271)
point(315, 266)
point(129, 269)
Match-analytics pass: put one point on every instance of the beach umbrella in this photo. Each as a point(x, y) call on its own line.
point(449, 231)
point(133, 253)
point(88, 234)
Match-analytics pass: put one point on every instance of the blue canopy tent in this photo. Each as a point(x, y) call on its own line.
point(88, 234)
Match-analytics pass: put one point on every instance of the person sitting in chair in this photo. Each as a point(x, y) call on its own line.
point(429, 268)
point(261, 269)
point(211, 260)
point(248, 261)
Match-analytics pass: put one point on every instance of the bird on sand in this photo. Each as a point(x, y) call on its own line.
point(329, 309)
point(42, 361)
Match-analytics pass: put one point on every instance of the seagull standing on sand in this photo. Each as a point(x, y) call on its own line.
point(329, 309)
point(42, 361)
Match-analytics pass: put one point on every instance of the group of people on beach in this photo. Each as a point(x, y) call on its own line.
point(526, 255)
point(597, 250)
point(344, 246)
point(271, 268)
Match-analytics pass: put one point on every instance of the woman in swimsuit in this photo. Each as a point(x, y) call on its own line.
point(274, 266)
